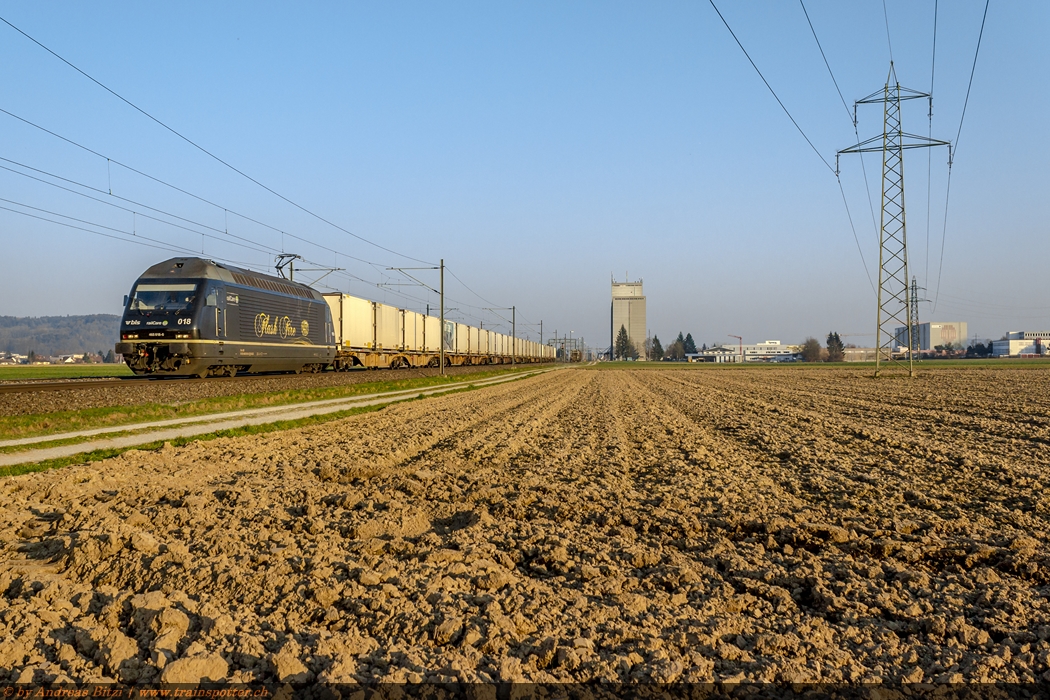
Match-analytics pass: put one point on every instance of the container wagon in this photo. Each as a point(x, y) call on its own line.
point(374, 335)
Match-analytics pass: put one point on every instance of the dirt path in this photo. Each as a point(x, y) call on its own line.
point(191, 426)
point(618, 525)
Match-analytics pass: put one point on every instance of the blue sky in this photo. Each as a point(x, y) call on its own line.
point(538, 148)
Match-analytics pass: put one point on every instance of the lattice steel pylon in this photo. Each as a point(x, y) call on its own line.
point(894, 308)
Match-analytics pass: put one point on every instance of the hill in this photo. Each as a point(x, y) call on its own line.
point(59, 335)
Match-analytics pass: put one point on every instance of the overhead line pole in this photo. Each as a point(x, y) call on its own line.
point(442, 353)
point(441, 293)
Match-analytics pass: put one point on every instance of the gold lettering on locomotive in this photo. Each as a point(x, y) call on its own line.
point(305, 327)
point(280, 326)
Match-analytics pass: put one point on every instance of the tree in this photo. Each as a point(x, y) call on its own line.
point(704, 349)
point(811, 350)
point(689, 346)
point(657, 349)
point(676, 351)
point(835, 348)
point(680, 339)
point(624, 348)
point(110, 357)
point(32, 357)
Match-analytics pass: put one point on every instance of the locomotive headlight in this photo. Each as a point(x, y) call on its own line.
point(183, 335)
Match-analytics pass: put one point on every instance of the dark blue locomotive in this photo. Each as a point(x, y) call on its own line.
point(196, 317)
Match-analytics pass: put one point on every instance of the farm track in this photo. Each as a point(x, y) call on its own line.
point(656, 525)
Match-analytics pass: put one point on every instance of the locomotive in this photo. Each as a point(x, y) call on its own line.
point(196, 317)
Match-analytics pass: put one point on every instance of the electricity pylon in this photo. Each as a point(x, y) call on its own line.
point(894, 297)
point(916, 345)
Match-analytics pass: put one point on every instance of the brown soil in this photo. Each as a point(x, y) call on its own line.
point(81, 395)
point(775, 525)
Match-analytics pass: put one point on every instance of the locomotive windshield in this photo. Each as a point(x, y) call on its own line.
point(163, 297)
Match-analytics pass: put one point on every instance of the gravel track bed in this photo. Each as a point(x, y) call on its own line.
point(175, 391)
point(659, 525)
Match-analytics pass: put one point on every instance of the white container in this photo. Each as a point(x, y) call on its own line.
point(352, 320)
point(462, 338)
point(389, 334)
point(413, 324)
point(475, 340)
point(432, 333)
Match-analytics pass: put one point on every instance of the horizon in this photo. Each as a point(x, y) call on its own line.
point(535, 149)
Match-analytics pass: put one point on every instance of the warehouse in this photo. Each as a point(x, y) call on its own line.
point(933, 334)
point(1022, 344)
point(766, 351)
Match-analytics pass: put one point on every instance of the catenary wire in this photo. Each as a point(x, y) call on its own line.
point(177, 189)
point(378, 285)
point(139, 213)
point(948, 188)
point(209, 153)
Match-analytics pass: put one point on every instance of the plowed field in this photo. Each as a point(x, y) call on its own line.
point(736, 525)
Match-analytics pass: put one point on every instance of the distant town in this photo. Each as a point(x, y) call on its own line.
point(629, 340)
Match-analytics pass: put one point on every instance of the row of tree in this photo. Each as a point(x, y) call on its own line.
point(835, 352)
point(624, 348)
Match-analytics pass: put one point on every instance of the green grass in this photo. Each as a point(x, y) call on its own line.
point(12, 427)
point(19, 372)
point(993, 363)
point(98, 455)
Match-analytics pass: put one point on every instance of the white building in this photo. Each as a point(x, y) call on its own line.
point(628, 311)
point(1021, 343)
point(934, 333)
point(766, 351)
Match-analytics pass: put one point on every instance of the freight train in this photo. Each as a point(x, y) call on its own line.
point(196, 317)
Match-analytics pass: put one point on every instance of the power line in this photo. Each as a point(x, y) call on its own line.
point(855, 238)
point(844, 105)
point(886, 16)
point(929, 154)
point(849, 115)
point(951, 157)
point(773, 92)
point(973, 69)
point(209, 153)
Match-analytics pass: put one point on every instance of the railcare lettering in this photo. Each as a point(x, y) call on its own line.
point(280, 326)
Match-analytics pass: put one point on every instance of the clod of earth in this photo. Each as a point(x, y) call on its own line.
point(625, 526)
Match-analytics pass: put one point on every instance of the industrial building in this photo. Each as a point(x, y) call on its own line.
point(766, 351)
point(1022, 343)
point(858, 354)
point(628, 310)
point(934, 333)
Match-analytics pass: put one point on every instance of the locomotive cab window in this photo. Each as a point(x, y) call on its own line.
point(163, 297)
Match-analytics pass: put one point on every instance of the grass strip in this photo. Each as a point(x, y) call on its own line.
point(99, 455)
point(39, 424)
point(14, 373)
point(976, 363)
